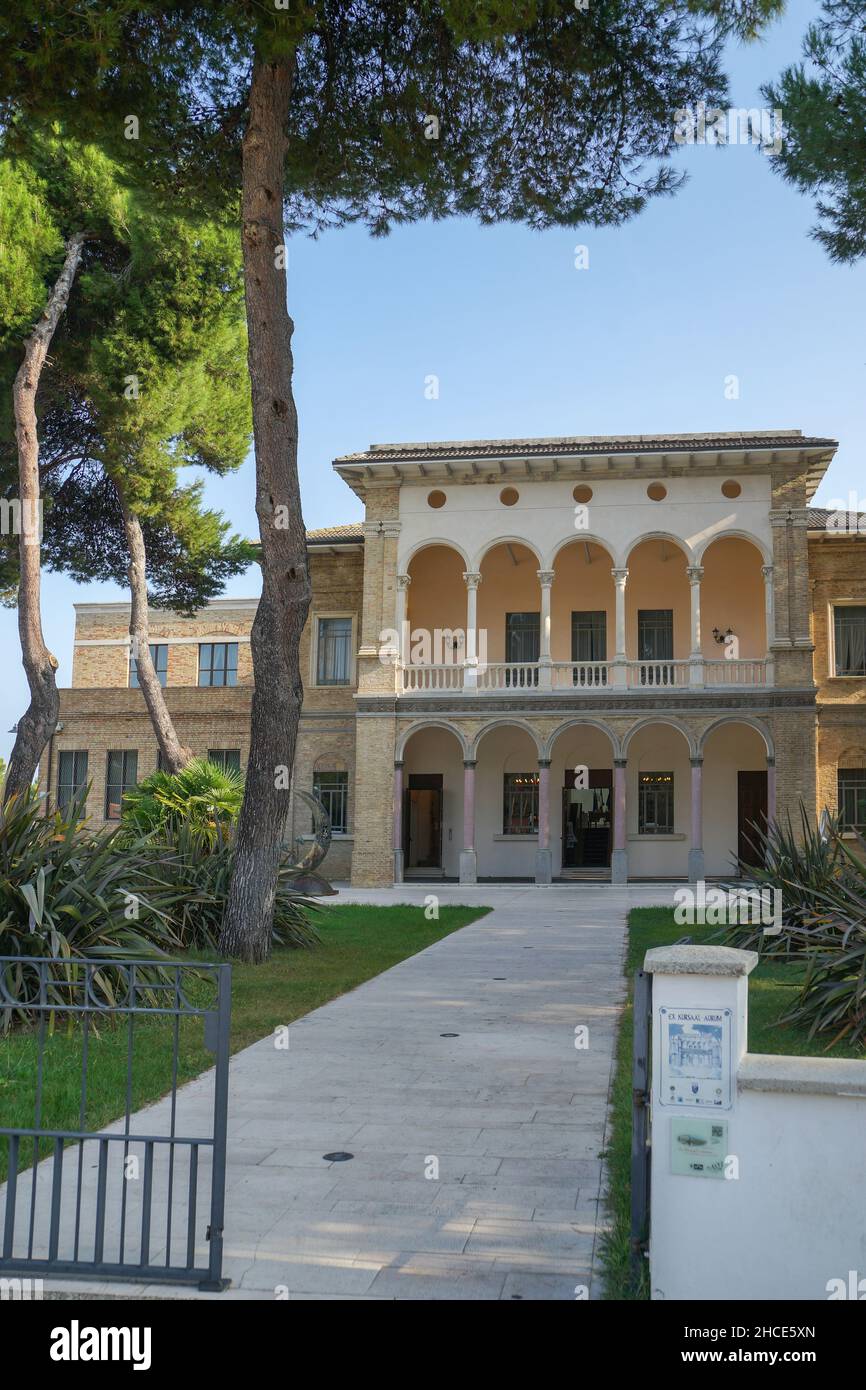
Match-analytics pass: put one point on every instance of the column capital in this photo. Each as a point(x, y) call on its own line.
point(391, 528)
point(372, 528)
point(695, 573)
point(470, 762)
point(546, 578)
point(620, 762)
point(697, 762)
point(403, 581)
point(471, 578)
point(767, 571)
point(771, 761)
point(399, 762)
point(619, 576)
point(544, 762)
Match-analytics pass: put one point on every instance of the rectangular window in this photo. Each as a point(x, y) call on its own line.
point(589, 636)
point(852, 798)
point(520, 809)
point(121, 774)
point(159, 657)
point(655, 634)
point(849, 630)
point(217, 663)
point(332, 789)
point(656, 803)
point(334, 651)
point(522, 636)
point(71, 778)
point(229, 759)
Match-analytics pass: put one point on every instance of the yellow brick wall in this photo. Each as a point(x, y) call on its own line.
point(837, 567)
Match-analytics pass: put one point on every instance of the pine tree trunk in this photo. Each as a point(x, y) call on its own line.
point(174, 754)
point(39, 721)
point(282, 610)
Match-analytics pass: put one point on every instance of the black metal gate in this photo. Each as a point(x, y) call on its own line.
point(141, 1197)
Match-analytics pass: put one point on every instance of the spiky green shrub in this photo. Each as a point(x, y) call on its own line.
point(202, 796)
point(198, 869)
point(806, 868)
point(69, 894)
point(833, 941)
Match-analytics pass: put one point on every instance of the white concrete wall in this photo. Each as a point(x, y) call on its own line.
point(659, 748)
point(473, 518)
point(730, 749)
point(793, 1219)
point(502, 856)
point(437, 751)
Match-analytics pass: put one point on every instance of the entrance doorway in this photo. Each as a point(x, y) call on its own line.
point(751, 812)
point(586, 820)
point(422, 821)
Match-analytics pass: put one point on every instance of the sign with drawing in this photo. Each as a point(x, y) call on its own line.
point(695, 1055)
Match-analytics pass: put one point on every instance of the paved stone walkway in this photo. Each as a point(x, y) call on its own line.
point(476, 1171)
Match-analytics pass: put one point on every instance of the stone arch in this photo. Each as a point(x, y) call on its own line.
point(739, 718)
point(577, 538)
point(672, 723)
point(703, 546)
point(428, 543)
point(488, 546)
point(677, 541)
point(506, 722)
point(421, 724)
point(576, 722)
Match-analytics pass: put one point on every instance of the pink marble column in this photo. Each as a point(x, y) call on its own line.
point(398, 808)
point(696, 850)
point(543, 805)
point(619, 804)
point(619, 857)
point(771, 790)
point(468, 807)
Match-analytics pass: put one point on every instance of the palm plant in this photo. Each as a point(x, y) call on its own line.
point(203, 796)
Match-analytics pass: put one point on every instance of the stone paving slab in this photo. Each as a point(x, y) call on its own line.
point(476, 1171)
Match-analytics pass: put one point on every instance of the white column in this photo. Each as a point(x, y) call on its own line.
point(470, 665)
point(545, 578)
point(620, 577)
point(696, 661)
point(769, 617)
point(403, 582)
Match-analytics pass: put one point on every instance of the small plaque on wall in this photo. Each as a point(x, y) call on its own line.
point(698, 1147)
point(695, 1057)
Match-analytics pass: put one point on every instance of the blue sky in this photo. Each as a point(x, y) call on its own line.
point(720, 280)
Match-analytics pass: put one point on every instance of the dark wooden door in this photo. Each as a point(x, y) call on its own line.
point(751, 812)
point(422, 821)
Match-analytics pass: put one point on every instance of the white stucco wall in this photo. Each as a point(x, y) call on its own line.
point(619, 514)
point(793, 1218)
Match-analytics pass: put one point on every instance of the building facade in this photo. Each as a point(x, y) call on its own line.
point(534, 659)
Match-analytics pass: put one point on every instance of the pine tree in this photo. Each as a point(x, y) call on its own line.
point(326, 112)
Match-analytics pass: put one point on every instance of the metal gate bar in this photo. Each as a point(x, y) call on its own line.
point(66, 1226)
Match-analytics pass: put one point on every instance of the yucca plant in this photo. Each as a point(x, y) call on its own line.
point(74, 896)
point(198, 867)
point(833, 941)
point(807, 869)
point(203, 797)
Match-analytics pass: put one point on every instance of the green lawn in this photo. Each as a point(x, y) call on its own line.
point(358, 942)
point(772, 989)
